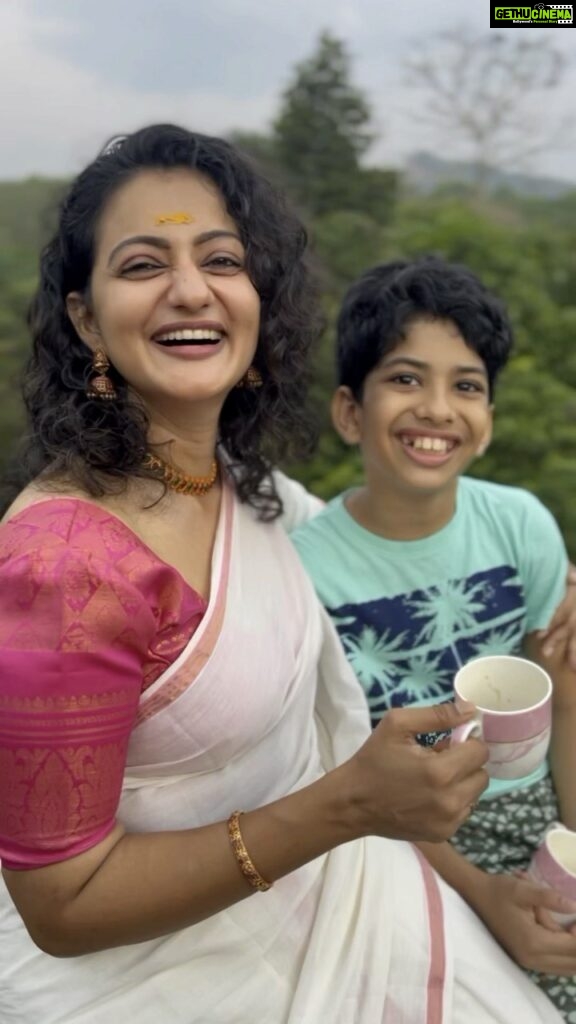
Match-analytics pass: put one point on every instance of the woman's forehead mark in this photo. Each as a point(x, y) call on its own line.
point(174, 218)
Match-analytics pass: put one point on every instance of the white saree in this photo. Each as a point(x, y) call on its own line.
point(259, 704)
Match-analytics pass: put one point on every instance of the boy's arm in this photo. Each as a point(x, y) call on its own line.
point(561, 631)
point(543, 565)
point(563, 744)
point(508, 906)
point(543, 580)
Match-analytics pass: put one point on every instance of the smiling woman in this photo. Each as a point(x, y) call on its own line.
point(218, 220)
point(164, 662)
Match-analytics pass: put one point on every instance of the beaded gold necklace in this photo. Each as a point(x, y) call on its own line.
point(180, 482)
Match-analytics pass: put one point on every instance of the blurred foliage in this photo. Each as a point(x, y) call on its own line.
point(322, 129)
point(27, 213)
point(524, 249)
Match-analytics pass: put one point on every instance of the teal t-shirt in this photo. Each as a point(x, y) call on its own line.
point(410, 613)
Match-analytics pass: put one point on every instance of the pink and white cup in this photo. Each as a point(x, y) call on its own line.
point(554, 866)
point(513, 699)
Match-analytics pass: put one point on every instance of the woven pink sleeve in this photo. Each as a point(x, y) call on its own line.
point(74, 632)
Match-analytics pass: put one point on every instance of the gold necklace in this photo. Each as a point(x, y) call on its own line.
point(180, 482)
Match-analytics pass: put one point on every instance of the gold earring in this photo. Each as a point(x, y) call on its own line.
point(252, 379)
point(101, 386)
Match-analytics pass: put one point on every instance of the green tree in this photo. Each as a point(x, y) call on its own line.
point(322, 132)
point(262, 151)
point(27, 210)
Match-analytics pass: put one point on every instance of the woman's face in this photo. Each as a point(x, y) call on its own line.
point(170, 300)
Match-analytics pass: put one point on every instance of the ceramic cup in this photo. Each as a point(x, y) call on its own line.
point(513, 699)
point(554, 865)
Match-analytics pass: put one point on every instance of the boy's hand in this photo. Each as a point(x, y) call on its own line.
point(402, 790)
point(562, 628)
point(517, 912)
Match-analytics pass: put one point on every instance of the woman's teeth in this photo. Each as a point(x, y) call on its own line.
point(190, 336)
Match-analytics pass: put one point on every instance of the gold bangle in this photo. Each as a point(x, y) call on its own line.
point(251, 874)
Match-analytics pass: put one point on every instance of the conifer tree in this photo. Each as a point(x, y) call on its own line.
point(322, 130)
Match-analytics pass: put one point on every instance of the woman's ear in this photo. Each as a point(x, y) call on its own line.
point(347, 415)
point(82, 319)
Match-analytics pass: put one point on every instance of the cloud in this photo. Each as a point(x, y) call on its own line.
point(223, 47)
point(74, 73)
point(56, 115)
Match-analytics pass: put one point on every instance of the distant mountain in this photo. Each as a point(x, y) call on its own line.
point(425, 172)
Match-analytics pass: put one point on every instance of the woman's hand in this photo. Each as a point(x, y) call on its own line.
point(561, 631)
point(403, 790)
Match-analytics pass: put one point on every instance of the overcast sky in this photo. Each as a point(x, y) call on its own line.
point(75, 72)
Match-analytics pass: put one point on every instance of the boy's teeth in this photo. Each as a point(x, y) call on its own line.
point(431, 444)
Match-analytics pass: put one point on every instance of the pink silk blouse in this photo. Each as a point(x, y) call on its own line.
point(89, 617)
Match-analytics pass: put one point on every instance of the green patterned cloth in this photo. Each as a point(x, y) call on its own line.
point(502, 834)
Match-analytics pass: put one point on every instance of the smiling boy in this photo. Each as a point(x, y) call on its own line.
point(423, 569)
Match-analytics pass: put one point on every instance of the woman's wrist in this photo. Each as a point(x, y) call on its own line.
point(283, 836)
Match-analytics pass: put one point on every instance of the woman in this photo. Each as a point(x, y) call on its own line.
point(164, 661)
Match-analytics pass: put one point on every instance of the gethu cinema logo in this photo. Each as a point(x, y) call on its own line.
point(539, 13)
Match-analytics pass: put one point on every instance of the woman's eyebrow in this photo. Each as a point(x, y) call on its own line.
point(207, 236)
point(164, 243)
point(155, 240)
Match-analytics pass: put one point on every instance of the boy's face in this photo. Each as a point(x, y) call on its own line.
point(425, 412)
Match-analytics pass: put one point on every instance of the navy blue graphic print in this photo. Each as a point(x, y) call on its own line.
point(407, 649)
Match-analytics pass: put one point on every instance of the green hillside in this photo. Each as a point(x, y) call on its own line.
point(26, 213)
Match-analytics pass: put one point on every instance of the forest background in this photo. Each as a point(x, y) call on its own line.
point(524, 247)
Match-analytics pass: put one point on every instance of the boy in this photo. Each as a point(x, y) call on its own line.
point(422, 569)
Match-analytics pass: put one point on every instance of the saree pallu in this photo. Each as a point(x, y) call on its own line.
point(259, 704)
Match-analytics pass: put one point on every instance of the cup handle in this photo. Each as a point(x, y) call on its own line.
point(463, 732)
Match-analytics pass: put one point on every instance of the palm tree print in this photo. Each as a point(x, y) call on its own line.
point(370, 654)
point(407, 648)
point(451, 607)
point(425, 680)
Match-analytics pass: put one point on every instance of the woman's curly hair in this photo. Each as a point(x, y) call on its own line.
point(98, 445)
